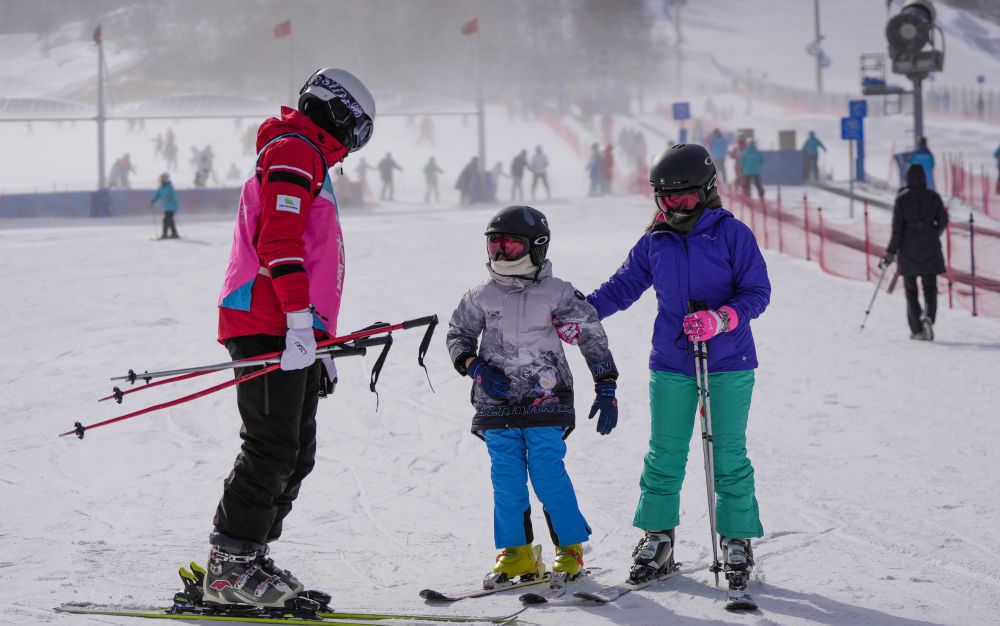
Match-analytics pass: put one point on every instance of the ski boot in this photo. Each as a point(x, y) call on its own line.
point(267, 563)
point(242, 579)
point(654, 555)
point(569, 559)
point(928, 328)
point(737, 557)
point(522, 563)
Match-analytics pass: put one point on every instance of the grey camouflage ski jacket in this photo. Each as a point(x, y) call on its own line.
point(513, 316)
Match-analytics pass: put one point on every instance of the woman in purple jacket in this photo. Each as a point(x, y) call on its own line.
point(694, 250)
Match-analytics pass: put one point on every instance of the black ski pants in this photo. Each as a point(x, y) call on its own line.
point(169, 227)
point(278, 451)
point(913, 310)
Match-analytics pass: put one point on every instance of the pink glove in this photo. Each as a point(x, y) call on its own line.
point(703, 325)
point(568, 332)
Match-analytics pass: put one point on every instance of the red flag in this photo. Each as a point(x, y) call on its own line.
point(97, 34)
point(283, 29)
point(470, 27)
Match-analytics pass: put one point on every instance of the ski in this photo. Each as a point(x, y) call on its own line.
point(613, 592)
point(256, 615)
point(438, 596)
point(737, 600)
point(557, 587)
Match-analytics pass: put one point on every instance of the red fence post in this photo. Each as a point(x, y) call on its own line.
point(763, 212)
point(781, 239)
point(805, 212)
point(819, 213)
point(868, 247)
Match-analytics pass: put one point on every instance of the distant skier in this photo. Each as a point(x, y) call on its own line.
point(593, 169)
point(751, 163)
point(810, 164)
point(431, 171)
point(922, 156)
point(918, 219)
point(168, 197)
point(694, 250)
point(281, 292)
point(467, 183)
point(385, 168)
point(517, 167)
point(606, 172)
point(539, 167)
point(718, 146)
point(501, 337)
point(120, 171)
point(996, 155)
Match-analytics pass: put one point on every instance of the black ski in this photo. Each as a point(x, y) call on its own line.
point(613, 592)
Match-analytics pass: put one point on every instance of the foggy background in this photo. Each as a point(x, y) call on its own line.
point(228, 46)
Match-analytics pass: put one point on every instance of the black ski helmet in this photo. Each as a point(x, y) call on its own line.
point(523, 221)
point(684, 166)
point(339, 103)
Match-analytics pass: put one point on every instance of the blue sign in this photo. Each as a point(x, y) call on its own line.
point(858, 108)
point(682, 110)
point(851, 128)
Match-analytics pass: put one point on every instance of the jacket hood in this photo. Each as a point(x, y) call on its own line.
point(915, 175)
point(292, 121)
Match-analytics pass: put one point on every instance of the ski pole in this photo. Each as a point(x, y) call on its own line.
point(701, 379)
point(79, 429)
point(881, 277)
point(375, 329)
point(335, 352)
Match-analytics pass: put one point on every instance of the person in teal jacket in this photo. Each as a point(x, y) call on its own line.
point(810, 164)
point(922, 156)
point(751, 161)
point(168, 197)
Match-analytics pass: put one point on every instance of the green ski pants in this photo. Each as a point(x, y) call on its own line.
point(673, 402)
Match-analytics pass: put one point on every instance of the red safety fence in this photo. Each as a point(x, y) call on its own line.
point(974, 188)
point(852, 249)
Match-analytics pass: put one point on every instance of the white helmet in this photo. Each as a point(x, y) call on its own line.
point(339, 103)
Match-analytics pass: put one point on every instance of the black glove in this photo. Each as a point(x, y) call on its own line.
point(493, 381)
point(607, 404)
point(887, 260)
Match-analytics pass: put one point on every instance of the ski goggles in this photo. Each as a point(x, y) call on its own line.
point(683, 200)
point(506, 247)
point(344, 107)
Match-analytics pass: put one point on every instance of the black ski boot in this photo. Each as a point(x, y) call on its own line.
point(652, 556)
point(737, 557)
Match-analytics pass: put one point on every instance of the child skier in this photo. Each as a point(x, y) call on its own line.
point(523, 391)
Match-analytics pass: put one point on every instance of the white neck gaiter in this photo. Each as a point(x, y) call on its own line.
point(520, 267)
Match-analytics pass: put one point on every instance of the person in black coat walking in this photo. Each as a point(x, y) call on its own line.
point(918, 219)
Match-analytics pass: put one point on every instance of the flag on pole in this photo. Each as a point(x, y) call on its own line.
point(97, 34)
point(283, 29)
point(470, 27)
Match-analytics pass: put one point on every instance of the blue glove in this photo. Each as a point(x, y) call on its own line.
point(607, 404)
point(493, 381)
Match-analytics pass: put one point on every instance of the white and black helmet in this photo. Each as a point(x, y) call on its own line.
point(339, 103)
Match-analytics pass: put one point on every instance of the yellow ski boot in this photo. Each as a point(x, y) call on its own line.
point(569, 559)
point(522, 563)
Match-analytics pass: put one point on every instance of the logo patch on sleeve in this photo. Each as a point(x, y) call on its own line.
point(580, 296)
point(290, 204)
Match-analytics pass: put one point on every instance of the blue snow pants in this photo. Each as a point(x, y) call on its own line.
point(673, 402)
point(516, 454)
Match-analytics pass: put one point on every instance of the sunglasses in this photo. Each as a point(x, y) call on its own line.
point(683, 200)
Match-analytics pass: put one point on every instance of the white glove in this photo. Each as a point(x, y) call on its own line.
point(300, 342)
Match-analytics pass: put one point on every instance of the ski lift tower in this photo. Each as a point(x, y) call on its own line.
point(909, 34)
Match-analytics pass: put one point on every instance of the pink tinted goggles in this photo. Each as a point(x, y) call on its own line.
point(683, 200)
point(506, 247)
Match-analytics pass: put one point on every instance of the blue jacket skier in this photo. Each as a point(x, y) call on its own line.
point(694, 250)
point(165, 193)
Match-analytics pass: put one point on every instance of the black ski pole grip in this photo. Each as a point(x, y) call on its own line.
point(420, 321)
point(696, 305)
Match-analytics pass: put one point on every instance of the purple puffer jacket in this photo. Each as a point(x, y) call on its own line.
point(718, 263)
